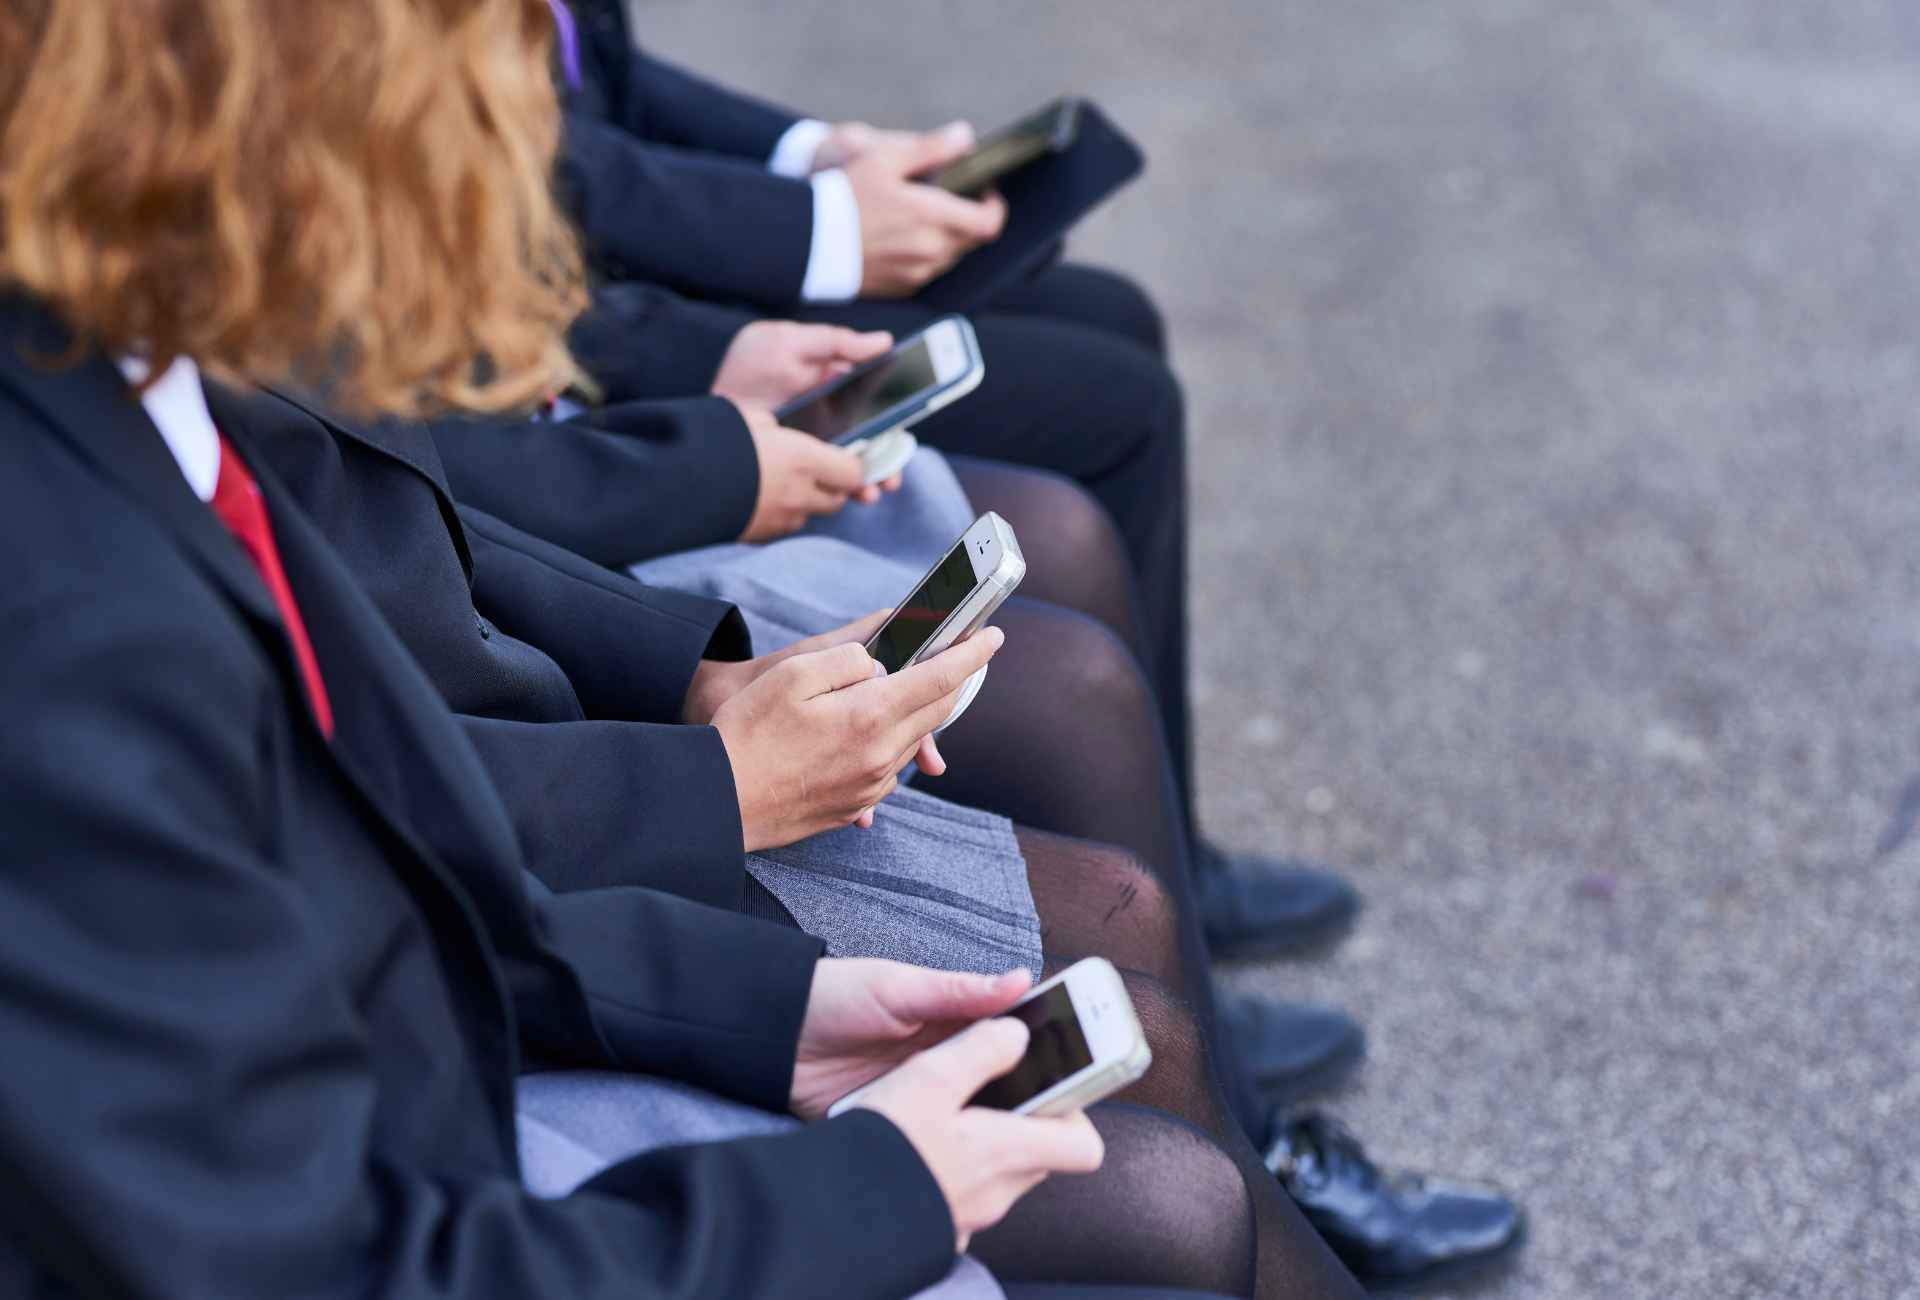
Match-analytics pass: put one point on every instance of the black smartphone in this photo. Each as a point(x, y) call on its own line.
point(1051, 130)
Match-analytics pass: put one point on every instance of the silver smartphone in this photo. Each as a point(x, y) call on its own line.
point(918, 376)
point(1085, 1044)
point(958, 595)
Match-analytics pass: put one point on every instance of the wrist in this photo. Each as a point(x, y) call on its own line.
point(713, 684)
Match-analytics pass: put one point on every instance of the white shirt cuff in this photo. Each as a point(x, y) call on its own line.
point(792, 157)
point(835, 266)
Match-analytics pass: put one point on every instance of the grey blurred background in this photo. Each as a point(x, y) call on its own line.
point(1552, 372)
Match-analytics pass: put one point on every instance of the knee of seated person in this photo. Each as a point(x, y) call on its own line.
point(1190, 1221)
point(1125, 308)
point(1081, 527)
point(1165, 1018)
point(1108, 680)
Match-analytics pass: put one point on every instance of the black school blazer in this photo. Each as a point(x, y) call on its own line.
point(263, 997)
point(666, 174)
point(568, 679)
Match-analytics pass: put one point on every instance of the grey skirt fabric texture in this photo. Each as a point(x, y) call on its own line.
point(571, 1124)
point(931, 883)
point(836, 569)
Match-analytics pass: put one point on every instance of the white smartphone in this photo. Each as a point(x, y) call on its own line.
point(918, 376)
point(958, 595)
point(1086, 1044)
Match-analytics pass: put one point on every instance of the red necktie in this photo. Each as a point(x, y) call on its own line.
point(237, 502)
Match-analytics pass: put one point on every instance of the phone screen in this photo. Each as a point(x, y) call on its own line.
point(1057, 1050)
point(892, 381)
point(1004, 151)
point(922, 613)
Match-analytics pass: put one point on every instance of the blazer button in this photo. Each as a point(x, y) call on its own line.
point(486, 632)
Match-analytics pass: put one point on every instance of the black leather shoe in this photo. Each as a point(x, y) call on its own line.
point(1391, 1230)
point(1256, 907)
point(1291, 1050)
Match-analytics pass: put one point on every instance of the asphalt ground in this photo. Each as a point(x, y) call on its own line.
point(1552, 373)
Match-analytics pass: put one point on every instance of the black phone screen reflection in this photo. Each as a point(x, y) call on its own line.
point(921, 614)
point(862, 395)
point(1058, 1050)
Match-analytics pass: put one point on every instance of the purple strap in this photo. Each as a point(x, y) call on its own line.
point(569, 42)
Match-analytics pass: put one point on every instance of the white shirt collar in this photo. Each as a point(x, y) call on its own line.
point(177, 405)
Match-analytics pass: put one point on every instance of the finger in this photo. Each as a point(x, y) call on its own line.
point(821, 343)
point(921, 996)
point(861, 629)
point(819, 500)
point(865, 820)
point(835, 467)
point(1068, 1144)
point(839, 344)
point(972, 220)
point(930, 759)
point(922, 695)
point(890, 484)
point(868, 495)
point(996, 210)
point(822, 671)
point(936, 148)
point(961, 1066)
point(867, 346)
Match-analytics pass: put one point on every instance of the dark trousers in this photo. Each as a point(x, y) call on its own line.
point(1077, 383)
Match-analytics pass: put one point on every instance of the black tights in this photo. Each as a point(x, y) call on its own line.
point(1199, 1209)
point(1077, 560)
point(1183, 1199)
point(1065, 737)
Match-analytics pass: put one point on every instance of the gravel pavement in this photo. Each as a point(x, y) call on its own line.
point(1553, 372)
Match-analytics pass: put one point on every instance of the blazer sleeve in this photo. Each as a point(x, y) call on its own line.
point(185, 1065)
point(640, 341)
point(630, 650)
point(661, 102)
point(710, 226)
point(618, 485)
point(670, 105)
point(619, 803)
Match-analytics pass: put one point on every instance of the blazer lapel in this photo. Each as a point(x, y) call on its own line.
point(409, 442)
point(92, 406)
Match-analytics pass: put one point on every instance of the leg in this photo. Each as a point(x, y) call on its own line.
point(1094, 899)
point(1076, 557)
point(1066, 737)
point(1109, 415)
point(1195, 1218)
point(1091, 296)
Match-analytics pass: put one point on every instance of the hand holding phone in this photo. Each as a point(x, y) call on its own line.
point(959, 594)
point(819, 739)
point(911, 232)
point(865, 1017)
point(1084, 1042)
point(770, 362)
point(869, 408)
point(799, 477)
point(983, 1160)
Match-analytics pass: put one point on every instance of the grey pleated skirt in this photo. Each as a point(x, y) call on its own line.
point(573, 1124)
point(932, 883)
